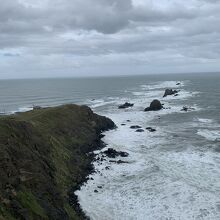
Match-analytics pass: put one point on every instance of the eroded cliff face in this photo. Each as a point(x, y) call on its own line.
point(44, 157)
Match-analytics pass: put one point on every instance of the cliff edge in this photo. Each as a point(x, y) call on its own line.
point(44, 157)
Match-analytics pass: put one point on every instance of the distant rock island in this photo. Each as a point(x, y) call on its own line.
point(44, 157)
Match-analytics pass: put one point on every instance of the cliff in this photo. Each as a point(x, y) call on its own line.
point(44, 157)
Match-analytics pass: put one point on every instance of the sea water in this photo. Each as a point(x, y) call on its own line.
point(173, 173)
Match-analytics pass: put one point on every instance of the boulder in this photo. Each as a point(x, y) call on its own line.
point(170, 92)
point(186, 109)
point(126, 105)
point(113, 153)
point(118, 161)
point(121, 161)
point(150, 129)
point(140, 130)
point(135, 127)
point(154, 106)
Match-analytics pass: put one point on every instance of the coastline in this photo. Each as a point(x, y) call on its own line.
point(45, 157)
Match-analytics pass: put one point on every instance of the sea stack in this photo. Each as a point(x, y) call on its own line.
point(170, 92)
point(154, 106)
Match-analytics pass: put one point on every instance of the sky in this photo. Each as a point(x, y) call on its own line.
point(67, 38)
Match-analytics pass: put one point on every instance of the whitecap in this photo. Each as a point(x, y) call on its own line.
point(205, 120)
point(22, 109)
point(163, 85)
point(211, 135)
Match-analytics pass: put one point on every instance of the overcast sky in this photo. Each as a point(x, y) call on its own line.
point(60, 38)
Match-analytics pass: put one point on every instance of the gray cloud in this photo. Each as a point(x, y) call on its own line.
point(71, 36)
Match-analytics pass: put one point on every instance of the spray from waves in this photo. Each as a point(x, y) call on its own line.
point(211, 135)
point(155, 181)
point(21, 109)
point(164, 85)
point(205, 120)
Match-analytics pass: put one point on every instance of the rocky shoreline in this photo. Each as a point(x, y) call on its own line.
point(45, 156)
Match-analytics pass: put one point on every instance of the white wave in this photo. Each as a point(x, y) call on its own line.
point(155, 183)
point(139, 93)
point(158, 181)
point(182, 94)
point(205, 120)
point(163, 85)
point(211, 135)
point(22, 109)
point(101, 104)
point(157, 91)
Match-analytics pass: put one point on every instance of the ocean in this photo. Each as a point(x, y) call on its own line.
point(170, 174)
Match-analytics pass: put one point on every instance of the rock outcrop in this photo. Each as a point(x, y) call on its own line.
point(44, 157)
point(186, 109)
point(170, 92)
point(126, 105)
point(113, 153)
point(140, 130)
point(135, 127)
point(110, 152)
point(154, 106)
point(150, 129)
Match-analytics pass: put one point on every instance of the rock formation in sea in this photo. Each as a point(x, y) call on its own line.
point(170, 92)
point(45, 155)
point(126, 105)
point(154, 106)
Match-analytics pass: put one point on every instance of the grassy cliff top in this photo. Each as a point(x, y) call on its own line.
point(44, 158)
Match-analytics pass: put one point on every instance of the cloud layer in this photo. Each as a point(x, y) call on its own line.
point(81, 37)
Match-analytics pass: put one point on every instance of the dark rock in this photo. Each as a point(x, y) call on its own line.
point(100, 187)
point(178, 84)
point(170, 92)
point(135, 127)
point(123, 154)
point(150, 129)
point(96, 191)
point(113, 153)
point(37, 107)
point(123, 124)
point(140, 130)
point(121, 161)
point(101, 136)
point(126, 105)
point(186, 109)
point(154, 106)
point(128, 120)
point(118, 161)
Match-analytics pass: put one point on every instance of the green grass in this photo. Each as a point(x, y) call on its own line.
point(71, 213)
point(60, 156)
point(48, 149)
point(28, 201)
point(5, 215)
